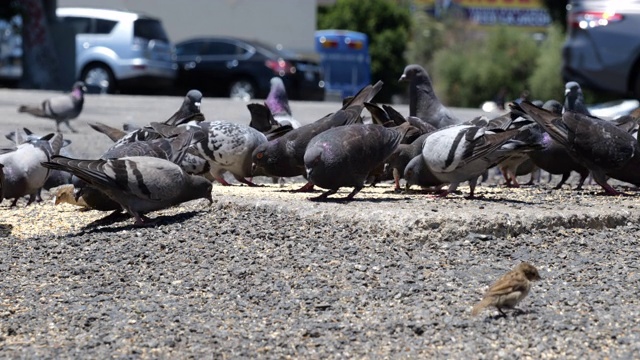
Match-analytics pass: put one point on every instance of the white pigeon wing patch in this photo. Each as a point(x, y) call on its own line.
point(443, 150)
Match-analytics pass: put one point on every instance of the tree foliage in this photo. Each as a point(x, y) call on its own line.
point(546, 80)
point(475, 71)
point(387, 24)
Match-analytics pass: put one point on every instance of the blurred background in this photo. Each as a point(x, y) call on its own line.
point(475, 50)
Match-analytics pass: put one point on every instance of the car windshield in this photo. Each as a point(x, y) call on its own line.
point(149, 29)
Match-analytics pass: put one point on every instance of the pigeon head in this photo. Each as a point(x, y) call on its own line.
point(414, 72)
point(264, 157)
point(313, 160)
point(200, 189)
point(529, 271)
point(572, 88)
point(78, 89)
point(193, 100)
point(554, 106)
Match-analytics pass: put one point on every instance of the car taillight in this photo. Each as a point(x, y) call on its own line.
point(281, 67)
point(328, 44)
point(591, 19)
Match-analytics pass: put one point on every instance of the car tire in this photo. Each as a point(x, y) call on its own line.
point(99, 77)
point(242, 89)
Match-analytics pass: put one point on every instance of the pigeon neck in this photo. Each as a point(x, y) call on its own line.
point(77, 94)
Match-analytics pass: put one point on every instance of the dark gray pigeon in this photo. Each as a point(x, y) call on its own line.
point(263, 121)
point(284, 156)
point(139, 184)
point(278, 103)
point(23, 174)
point(423, 102)
point(597, 144)
point(404, 153)
point(464, 152)
point(574, 98)
point(228, 147)
point(416, 172)
point(344, 156)
point(189, 110)
point(60, 108)
point(553, 157)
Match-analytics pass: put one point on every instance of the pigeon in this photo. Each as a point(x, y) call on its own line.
point(228, 147)
point(55, 178)
point(263, 121)
point(597, 144)
point(416, 172)
point(278, 103)
point(345, 155)
point(23, 174)
point(188, 111)
point(509, 290)
point(60, 108)
point(188, 114)
point(389, 117)
point(423, 102)
point(404, 153)
point(464, 152)
point(574, 99)
point(173, 149)
point(140, 184)
point(284, 156)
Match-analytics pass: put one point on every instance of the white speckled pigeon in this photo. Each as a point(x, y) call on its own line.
point(140, 184)
point(345, 155)
point(60, 108)
point(228, 147)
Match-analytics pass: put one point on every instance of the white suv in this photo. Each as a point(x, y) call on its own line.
point(119, 49)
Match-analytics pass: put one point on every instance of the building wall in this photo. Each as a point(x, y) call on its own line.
point(291, 23)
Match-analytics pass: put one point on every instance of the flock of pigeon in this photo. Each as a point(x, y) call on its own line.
point(166, 163)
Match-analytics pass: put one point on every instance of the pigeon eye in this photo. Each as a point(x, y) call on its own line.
point(259, 155)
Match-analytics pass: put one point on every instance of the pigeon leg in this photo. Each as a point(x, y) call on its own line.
point(14, 202)
point(583, 177)
point(32, 198)
point(324, 195)
point(565, 176)
point(221, 180)
point(601, 179)
point(472, 187)
point(502, 312)
point(308, 187)
point(353, 193)
point(69, 126)
point(245, 181)
point(396, 179)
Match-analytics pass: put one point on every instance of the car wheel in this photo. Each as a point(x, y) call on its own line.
point(242, 89)
point(99, 76)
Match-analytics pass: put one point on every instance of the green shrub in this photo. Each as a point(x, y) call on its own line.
point(474, 71)
point(546, 80)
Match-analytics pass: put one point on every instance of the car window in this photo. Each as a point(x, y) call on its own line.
point(220, 48)
point(104, 26)
point(149, 29)
point(189, 49)
point(81, 25)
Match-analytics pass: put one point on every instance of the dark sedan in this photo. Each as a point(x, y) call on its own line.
point(237, 68)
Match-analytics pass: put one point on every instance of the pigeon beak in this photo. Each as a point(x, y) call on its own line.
point(566, 91)
point(197, 104)
point(254, 167)
point(210, 199)
point(77, 193)
point(309, 171)
point(402, 78)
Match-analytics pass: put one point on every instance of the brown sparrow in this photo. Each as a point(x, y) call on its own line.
point(509, 290)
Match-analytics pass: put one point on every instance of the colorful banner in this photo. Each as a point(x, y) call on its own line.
point(523, 13)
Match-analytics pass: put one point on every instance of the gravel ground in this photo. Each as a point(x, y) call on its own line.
point(265, 273)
